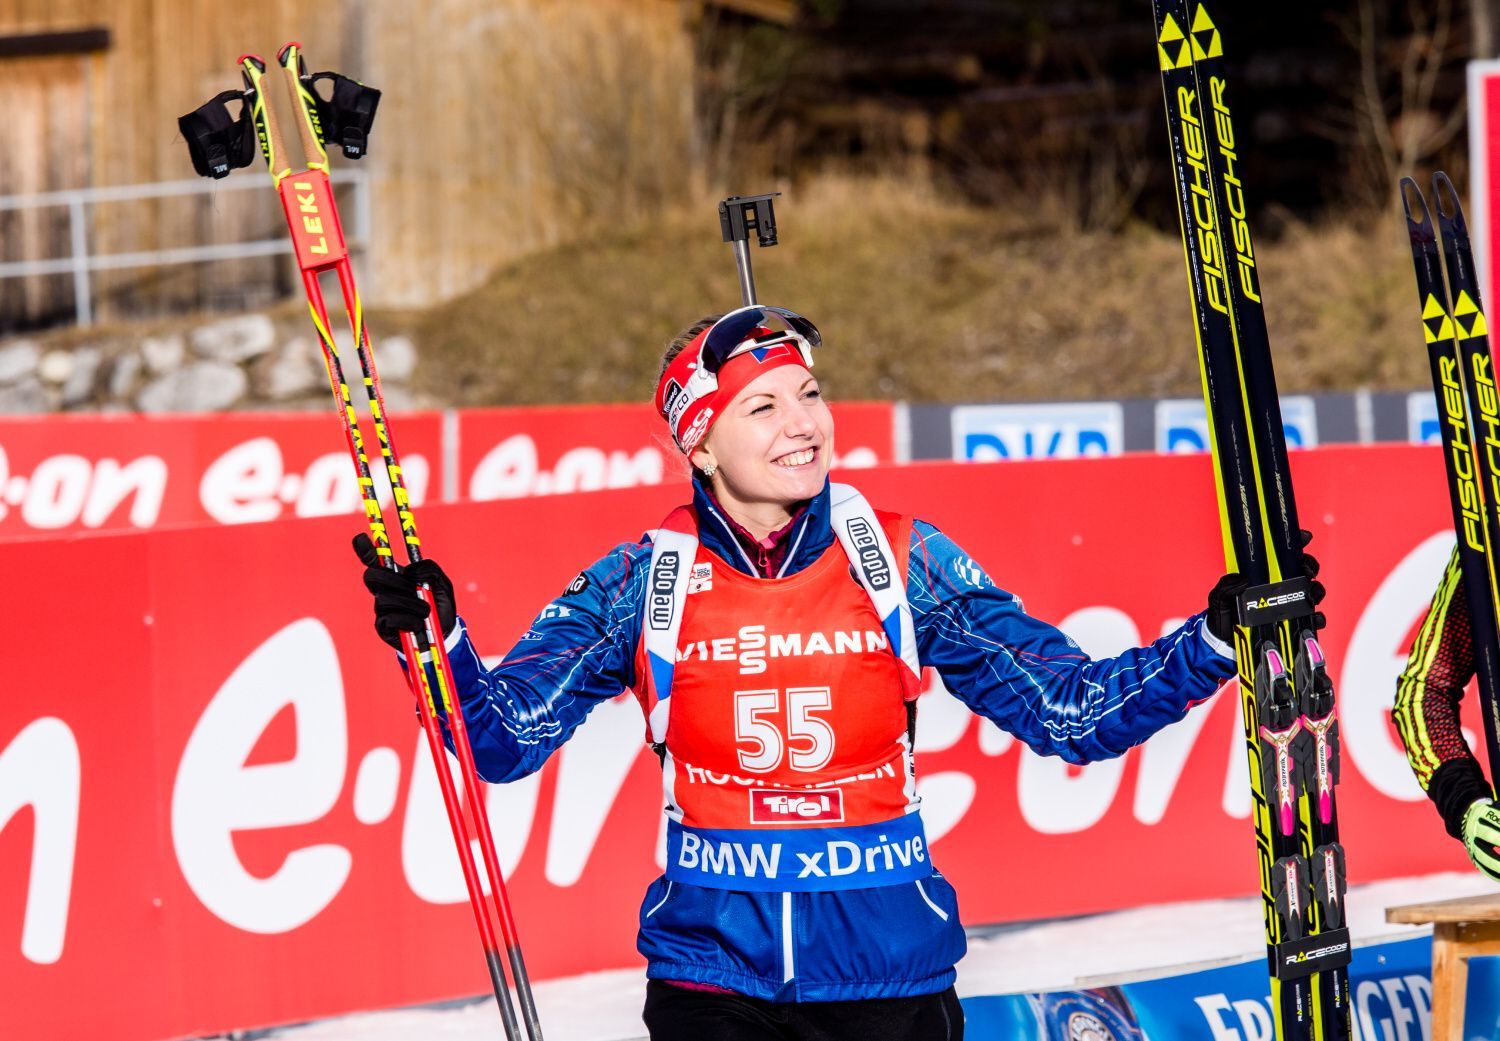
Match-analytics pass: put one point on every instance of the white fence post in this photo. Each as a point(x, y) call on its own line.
point(78, 234)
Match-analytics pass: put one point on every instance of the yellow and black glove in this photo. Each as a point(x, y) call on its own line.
point(1482, 837)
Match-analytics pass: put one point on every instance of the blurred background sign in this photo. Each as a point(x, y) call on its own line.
point(1182, 424)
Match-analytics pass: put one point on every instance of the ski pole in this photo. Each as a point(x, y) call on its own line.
point(739, 215)
point(318, 244)
point(309, 127)
point(302, 192)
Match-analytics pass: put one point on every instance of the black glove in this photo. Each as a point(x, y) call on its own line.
point(1223, 599)
point(1223, 606)
point(1310, 569)
point(399, 606)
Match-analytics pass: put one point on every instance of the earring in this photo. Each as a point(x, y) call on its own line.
point(710, 469)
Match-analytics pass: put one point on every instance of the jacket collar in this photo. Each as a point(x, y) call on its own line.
point(811, 534)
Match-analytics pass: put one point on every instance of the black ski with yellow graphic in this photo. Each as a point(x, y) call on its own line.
point(1286, 693)
point(1463, 378)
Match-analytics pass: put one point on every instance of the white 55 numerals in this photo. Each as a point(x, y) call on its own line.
point(808, 741)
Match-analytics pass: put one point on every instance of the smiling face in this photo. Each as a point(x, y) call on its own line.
point(772, 448)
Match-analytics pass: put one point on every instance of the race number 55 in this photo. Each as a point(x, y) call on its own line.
point(807, 742)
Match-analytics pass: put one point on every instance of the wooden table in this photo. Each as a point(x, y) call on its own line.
point(1461, 929)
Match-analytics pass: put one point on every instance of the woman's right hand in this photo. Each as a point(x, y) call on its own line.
point(399, 605)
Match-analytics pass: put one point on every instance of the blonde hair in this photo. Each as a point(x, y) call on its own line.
point(679, 344)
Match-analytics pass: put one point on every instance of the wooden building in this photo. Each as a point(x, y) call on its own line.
point(505, 125)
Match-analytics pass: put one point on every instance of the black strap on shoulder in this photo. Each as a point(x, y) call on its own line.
point(347, 115)
point(217, 141)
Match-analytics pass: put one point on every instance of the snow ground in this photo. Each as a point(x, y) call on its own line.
point(1094, 950)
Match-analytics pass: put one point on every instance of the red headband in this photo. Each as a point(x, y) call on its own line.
point(690, 405)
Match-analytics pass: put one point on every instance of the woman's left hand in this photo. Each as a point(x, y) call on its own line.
point(1223, 599)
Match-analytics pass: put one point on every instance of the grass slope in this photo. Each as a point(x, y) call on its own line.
point(924, 300)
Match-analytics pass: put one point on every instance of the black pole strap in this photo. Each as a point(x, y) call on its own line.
point(217, 141)
point(347, 115)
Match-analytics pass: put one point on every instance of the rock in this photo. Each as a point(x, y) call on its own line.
point(18, 360)
point(397, 399)
point(235, 339)
point(55, 367)
point(79, 387)
point(296, 369)
point(162, 354)
point(23, 398)
point(204, 386)
point(122, 375)
point(395, 358)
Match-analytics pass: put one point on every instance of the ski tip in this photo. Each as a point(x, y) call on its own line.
point(1446, 196)
point(284, 55)
point(252, 59)
point(1414, 203)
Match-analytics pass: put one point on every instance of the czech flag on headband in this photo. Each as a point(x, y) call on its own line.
point(723, 360)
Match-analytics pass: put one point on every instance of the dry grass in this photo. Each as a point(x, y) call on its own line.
point(926, 300)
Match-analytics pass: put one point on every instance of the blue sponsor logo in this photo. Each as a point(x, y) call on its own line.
point(1094, 1015)
point(984, 433)
point(1390, 985)
point(1422, 425)
point(785, 860)
point(1389, 982)
point(1182, 424)
point(1390, 989)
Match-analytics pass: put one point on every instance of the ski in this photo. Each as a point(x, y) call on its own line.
point(1286, 693)
point(1463, 379)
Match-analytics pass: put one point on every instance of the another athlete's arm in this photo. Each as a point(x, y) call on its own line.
point(1032, 680)
point(1428, 695)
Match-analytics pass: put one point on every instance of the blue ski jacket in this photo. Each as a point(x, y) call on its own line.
point(893, 941)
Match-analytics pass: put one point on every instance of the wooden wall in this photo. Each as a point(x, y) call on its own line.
point(44, 145)
point(513, 124)
point(119, 127)
point(506, 125)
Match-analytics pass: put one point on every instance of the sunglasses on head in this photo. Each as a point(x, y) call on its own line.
point(731, 335)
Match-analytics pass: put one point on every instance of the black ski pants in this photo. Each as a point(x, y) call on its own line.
point(678, 1014)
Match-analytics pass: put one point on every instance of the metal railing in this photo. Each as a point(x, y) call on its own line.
point(81, 263)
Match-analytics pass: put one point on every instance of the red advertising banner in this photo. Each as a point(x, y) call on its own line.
point(1484, 171)
point(112, 472)
point(216, 811)
point(513, 452)
point(119, 472)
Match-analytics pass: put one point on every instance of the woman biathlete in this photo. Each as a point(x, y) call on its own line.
point(774, 631)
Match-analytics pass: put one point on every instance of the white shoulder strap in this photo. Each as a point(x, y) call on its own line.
point(875, 564)
point(672, 554)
